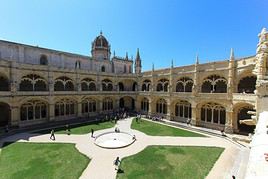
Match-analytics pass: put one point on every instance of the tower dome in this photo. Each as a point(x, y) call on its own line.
point(100, 42)
point(100, 48)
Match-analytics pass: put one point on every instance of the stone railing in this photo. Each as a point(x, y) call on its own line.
point(244, 97)
point(213, 95)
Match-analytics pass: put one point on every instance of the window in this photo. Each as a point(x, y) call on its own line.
point(103, 69)
point(65, 107)
point(213, 113)
point(63, 84)
point(33, 110)
point(43, 60)
point(145, 105)
point(88, 106)
point(184, 85)
point(107, 104)
point(183, 109)
point(162, 85)
point(214, 84)
point(33, 83)
point(77, 65)
point(161, 106)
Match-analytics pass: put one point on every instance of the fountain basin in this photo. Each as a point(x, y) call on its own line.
point(113, 140)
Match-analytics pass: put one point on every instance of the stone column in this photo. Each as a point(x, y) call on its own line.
point(138, 105)
point(168, 110)
point(50, 82)
point(14, 86)
point(15, 115)
point(195, 115)
point(151, 107)
point(228, 122)
point(79, 109)
point(100, 106)
point(117, 103)
point(51, 110)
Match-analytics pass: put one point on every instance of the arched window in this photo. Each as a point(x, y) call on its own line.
point(4, 84)
point(162, 85)
point(247, 84)
point(145, 105)
point(183, 109)
point(107, 104)
point(88, 106)
point(77, 65)
point(146, 85)
point(121, 86)
point(125, 69)
point(103, 69)
point(134, 86)
point(184, 85)
point(214, 84)
point(107, 85)
point(65, 107)
point(213, 113)
point(63, 84)
point(161, 106)
point(33, 83)
point(33, 110)
point(88, 84)
point(43, 60)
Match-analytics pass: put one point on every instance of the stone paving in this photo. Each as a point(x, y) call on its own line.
point(101, 164)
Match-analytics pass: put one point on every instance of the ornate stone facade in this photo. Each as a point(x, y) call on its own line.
point(39, 85)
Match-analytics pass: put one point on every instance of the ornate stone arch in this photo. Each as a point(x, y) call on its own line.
point(34, 110)
point(184, 84)
point(33, 82)
point(63, 83)
point(88, 84)
point(214, 84)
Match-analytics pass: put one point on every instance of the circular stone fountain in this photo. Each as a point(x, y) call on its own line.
point(113, 140)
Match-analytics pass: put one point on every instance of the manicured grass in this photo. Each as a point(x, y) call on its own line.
point(155, 129)
point(170, 162)
point(41, 160)
point(82, 129)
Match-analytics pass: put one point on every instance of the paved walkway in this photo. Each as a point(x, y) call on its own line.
point(101, 165)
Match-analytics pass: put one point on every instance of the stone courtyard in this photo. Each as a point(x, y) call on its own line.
point(232, 161)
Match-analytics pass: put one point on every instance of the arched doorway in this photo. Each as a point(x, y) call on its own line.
point(247, 84)
point(127, 102)
point(121, 103)
point(241, 115)
point(5, 115)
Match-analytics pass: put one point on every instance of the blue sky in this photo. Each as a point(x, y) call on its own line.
point(163, 30)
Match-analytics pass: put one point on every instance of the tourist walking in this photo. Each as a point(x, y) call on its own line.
point(188, 122)
point(52, 134)
point(92, 132)
point(68, 131)
point(116, 163)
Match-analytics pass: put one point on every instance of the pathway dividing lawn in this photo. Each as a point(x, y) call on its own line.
point(81, 128)
point(156, 129)
point(170, 162)
point(41, 160)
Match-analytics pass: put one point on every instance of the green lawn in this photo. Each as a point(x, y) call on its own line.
point(156, 129)
point(41, 160)
point(82, 129)
point(170, 163)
